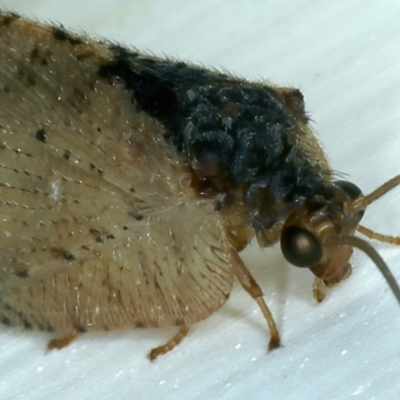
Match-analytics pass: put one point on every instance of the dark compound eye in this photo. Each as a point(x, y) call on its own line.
point(300, 247)
point(353, 191)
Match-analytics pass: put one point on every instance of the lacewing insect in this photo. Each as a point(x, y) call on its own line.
point(129, 184)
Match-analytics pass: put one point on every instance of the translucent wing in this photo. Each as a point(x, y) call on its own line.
point(96, 231)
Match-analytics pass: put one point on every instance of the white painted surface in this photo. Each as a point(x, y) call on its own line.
point(345, 57)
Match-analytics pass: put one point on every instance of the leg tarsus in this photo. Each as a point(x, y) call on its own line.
point(319, 289)
point(274, 344)
point(251, 287)
point(171, 344)
point(275, 340)
point(62, 342)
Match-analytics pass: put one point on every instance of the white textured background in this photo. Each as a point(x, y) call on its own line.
point(345, 57)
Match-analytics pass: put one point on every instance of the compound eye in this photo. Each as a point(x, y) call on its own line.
point(300, 247)
point(352, 191)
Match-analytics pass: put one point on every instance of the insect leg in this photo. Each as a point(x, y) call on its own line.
point(319, 289)
point(172, 343)
point(251, 287)
point(62, 342)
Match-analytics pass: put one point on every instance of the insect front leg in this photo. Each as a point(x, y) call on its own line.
point(251, 287)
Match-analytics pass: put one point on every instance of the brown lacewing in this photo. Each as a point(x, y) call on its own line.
point(129, 184)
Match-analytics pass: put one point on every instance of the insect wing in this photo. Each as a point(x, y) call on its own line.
point(96, 231)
